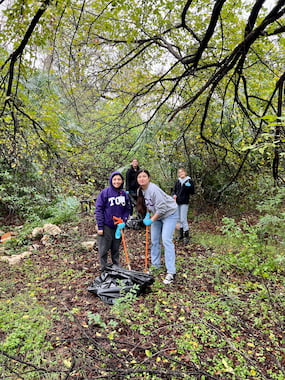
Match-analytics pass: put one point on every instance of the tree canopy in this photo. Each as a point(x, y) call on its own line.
point(87, 85)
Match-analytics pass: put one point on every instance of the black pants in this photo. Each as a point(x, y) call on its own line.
point(133, 198)
point(108, 242)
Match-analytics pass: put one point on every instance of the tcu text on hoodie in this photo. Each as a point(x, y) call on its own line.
point(112, 201)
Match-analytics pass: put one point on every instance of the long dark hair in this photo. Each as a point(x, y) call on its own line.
point(141, 207)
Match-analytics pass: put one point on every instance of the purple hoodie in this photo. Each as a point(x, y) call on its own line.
point(112, 202)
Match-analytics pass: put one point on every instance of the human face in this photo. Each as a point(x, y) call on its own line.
point(117, 181)
point(143, 180)
point(181, 173)
point(135, 163)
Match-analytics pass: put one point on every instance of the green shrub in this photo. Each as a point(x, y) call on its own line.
point(23, 192)
point(271, 224)
point(255, 252)
point(63, 210)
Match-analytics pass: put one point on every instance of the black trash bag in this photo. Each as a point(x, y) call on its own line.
point(115, 281)
point(135, 222)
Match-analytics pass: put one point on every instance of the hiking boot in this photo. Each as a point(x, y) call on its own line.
point(180, 237)
point(186, 237)
point(168, 279)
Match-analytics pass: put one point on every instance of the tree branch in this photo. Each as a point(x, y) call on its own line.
point(14, 56)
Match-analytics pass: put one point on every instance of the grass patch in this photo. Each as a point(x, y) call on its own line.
point(24, 325)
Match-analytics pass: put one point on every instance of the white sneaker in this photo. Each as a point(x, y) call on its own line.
point(168, 279)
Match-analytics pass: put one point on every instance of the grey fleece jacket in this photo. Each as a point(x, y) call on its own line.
point(158, 202)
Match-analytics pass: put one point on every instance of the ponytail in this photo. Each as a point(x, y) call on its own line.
point(141, 207)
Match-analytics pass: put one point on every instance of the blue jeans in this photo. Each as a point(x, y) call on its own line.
point(182, 219)
point(163, 229)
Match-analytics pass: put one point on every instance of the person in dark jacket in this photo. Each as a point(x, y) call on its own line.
point(183, 187)
point(112, 201)
point(131, 179)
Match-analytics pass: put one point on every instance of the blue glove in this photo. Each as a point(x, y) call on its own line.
point(118, 230)
point(117, 233)
point(147, 221)
point(187, 184)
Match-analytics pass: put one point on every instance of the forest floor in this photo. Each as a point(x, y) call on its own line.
point(211, 323)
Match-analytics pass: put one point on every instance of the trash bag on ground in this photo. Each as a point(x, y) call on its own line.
point(114, 282)
point(135, 222)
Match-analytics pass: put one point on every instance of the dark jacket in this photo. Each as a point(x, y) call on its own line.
point(112, 202)
point(183, 192)
point(131, 179)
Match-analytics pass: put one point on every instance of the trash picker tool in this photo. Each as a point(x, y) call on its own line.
point(118, 221)
point(125, 250)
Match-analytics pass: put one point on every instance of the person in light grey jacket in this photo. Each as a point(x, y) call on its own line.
point(160, 211)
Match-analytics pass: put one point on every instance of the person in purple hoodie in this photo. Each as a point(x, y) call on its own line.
point(112, 201)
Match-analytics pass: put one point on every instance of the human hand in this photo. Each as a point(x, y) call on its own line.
point(147, 220)
point(121, 225)
point(118, 233)
point(100, 232)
